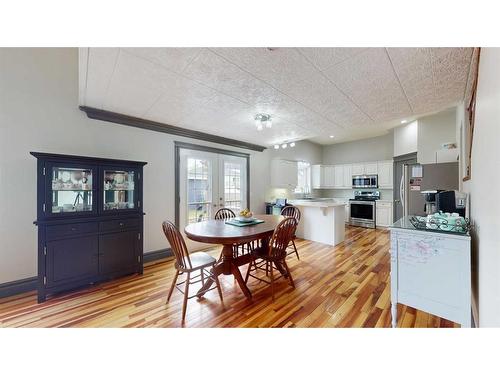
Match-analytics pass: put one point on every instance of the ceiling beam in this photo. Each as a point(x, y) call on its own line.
point(118, 118)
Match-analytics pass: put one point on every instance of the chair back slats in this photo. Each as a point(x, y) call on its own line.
point(178, 245)
point(282, 236)
point(224, 214)
point(291, 211)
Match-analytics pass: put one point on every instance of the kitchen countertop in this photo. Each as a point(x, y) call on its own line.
point(316, 202)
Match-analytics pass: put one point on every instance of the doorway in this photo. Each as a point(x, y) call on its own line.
point(207, 180)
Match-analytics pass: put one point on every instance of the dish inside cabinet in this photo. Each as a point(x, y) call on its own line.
point(119, 189)
point(71, 190)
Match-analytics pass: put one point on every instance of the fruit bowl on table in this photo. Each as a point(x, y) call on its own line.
point(245, 219)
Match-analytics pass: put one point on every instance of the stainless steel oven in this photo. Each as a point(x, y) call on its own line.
point(363, 209)
point(365, 181)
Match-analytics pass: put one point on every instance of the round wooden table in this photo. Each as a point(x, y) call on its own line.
point(218, 232)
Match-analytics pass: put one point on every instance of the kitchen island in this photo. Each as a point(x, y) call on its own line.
point(322, 220)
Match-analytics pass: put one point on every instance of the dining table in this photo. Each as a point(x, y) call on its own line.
point(222, 233)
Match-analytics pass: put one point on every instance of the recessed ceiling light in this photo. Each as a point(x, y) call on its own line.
point(283, 145)
point(332, 136)
point(292, 144)
point(404, 121)
point(276, 147)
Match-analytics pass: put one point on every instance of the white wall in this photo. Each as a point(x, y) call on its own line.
point(39, 112)
point(405, 139)
point(370, 149)
point(433, 131)
point(485, 208)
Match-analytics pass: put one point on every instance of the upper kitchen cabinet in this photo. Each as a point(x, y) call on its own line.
point(338, 180)
point(323, 176)
point(284, 174)
point(358, 169)
point(347, 176)
point(385, 174)
point(364, 169)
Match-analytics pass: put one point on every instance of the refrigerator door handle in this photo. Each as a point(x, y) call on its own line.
point(401, 193)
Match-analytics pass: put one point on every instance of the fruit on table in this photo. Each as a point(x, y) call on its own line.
point(246, 213)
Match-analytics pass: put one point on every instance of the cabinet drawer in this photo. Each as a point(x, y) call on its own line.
point(56, 231)
point(384, 204)
point(118, 224)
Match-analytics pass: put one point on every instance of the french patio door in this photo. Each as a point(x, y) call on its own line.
point(207, 182)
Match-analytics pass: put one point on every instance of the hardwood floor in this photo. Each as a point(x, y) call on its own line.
point(342, 286)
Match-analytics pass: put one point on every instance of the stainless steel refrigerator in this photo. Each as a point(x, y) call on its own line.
point(408, 199)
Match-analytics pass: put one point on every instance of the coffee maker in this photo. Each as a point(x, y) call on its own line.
point(430, 201)
point(452, 201)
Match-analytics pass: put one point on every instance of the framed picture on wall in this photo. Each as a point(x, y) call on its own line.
point(471, 112)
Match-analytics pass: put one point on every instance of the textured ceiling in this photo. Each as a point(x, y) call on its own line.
point(311, 93)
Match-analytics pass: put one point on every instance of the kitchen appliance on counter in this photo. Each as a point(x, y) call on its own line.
point(365, 182)
point(276, 207)
point(363, 209)
point(452, 201)
point(430, 201)
point(415, 180)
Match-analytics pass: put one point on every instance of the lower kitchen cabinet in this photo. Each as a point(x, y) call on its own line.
point(383, 216)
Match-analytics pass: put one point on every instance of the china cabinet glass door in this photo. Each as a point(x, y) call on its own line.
point(70, 190)
point(119, 190)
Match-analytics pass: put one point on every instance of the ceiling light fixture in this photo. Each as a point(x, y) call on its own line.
point(404, 121)
point(284, 145)
point(332, 136)
point(263, 120)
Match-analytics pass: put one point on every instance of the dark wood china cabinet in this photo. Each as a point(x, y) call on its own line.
point(89, 219)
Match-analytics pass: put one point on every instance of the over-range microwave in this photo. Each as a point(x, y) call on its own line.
point(365, 181)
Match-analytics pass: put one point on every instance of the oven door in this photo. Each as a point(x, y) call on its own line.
point(362, 213)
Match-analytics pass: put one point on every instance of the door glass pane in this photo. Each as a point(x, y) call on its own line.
point(119, 189)
point(71, 190)
point(232, 186)
point(199, 190)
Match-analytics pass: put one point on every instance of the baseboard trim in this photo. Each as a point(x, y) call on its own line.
point(152, 256)
point(29, 284)
point(18, 286)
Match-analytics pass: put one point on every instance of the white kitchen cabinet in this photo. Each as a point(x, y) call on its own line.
point(383, 214)
point(385, 174)
point(284, 174)
point(358, 169)
point(338, 180)
point(347, 210)
point(447, 155)
point(370, 168)
point(347, 176)
point(364, 168)
point(329, 176)
point(316, 176)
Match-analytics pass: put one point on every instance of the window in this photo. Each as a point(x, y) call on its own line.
point(303, 178)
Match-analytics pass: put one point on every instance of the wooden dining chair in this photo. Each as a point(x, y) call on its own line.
point(292, 211)
point(188, 263)
point(224, 214)
point(227, 214)
point(273, 257)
